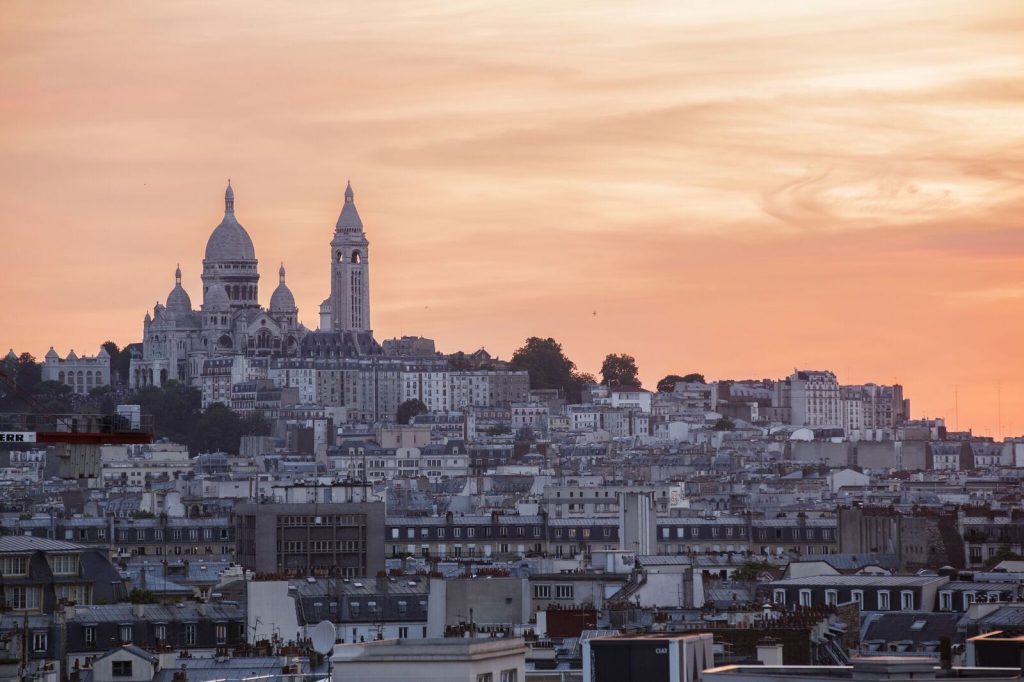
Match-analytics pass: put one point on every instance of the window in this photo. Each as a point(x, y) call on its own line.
point(403, 633)
point(64, 564)
point(39, 641)
point(121, 669)
point(542, 591)
point(831, 597)
point(883, 600)
point(779, 597)
point(161, 632)
point(485, 677)
point(190, 634)
point(907, 600)
point(564, 591)
point(23, 597)
point(13, 566)
point(221, 632)
point(510, 675)
point(858, 596)
point(126, 634)
point(805, 597)
point(945, 601)
point(90, 635)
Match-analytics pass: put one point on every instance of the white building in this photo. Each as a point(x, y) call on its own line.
point(432, 660)
point(80, 374)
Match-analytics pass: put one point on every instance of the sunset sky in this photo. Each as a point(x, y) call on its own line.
point(736, 188)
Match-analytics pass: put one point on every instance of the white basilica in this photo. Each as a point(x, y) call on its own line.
point(177, 339)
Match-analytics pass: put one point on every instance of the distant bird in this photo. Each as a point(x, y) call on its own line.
point(595, 313)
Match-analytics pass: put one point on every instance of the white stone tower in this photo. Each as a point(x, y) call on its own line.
point(350, 271)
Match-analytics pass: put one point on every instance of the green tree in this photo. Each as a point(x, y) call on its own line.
point(668, 383)
point(219, 429)
point(53, 397)
point(409, 409)
point(120, 361)
point(724, 424)
point(749, 571)
point(548, 367)
point(137, 596)
point(175, 407)
point(1004, 553)
point(619, 369)
point(25, 373)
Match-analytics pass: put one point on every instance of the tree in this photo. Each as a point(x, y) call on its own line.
point(53, 397)
point(549, 367)
point(1004, 553)
point(26, 374)
point(498, 430)
point(749, 571)
point(409, 409)
point(668, 384)
point(724, 424)
point(175, 407)
point(120, 362)
point(619, 370)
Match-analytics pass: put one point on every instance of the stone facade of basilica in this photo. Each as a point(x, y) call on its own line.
point(178, 339)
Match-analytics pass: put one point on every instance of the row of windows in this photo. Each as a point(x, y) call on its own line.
point(883, 601)
point(328, 520)
point(561, 591)
point(323, 546)
point(470, 532)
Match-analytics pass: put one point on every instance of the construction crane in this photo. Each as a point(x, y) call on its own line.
point(69, 429)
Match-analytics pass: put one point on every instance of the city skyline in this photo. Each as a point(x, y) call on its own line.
point(857, 212)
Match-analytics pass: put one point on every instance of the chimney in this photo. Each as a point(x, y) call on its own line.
point(769, 652)
point(139, 610)
point(201, 608)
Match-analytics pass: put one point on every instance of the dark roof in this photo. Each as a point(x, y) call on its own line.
point(134, 650)
point(25, 543)
point(915, 627)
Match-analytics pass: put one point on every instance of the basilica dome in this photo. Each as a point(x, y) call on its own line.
point(178, 300)
point(282, 299)
point(216, 299)
point(229, 241)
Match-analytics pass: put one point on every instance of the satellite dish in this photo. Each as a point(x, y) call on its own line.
point(324, 636)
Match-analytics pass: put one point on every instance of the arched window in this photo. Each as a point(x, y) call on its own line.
point(60, 377)
point(340, 257)
point(237, 292)
point(224, 341)
point(356, 258)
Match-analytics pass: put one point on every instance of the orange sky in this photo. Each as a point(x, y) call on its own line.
point(736, 188)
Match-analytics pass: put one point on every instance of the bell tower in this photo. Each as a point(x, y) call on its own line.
point(350, 271)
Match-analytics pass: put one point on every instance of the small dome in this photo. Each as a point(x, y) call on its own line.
point(216, 299)
point(103, 353)
point(50, 354)
point(72, 355)
point(178, 300)
point(282, 300)
point(229, 240)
